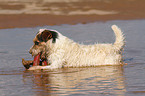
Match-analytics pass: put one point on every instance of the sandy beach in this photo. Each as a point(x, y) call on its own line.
point(23, 20)
point(18, 14)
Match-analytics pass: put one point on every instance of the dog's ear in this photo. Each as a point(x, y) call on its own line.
point(46, 35)
point(54, 36)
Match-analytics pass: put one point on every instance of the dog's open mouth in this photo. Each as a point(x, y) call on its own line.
point(39, 60)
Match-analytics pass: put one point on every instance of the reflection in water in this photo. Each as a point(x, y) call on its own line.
point(102, 80)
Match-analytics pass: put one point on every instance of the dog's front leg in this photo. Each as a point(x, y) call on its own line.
point(54, 65)
point(56, 60)
point(36, 68)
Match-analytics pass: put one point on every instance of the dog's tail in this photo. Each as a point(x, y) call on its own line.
point(120, 39)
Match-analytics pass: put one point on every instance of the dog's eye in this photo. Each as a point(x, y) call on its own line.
point(36, 43)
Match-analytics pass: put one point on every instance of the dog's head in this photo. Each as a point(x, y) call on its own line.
point(41, 41)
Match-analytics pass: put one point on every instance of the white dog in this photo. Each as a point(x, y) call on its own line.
point(63, 52)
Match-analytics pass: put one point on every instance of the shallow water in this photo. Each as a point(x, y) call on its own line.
point(128, 80)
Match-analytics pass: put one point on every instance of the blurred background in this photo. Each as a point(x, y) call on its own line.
point(31, 13)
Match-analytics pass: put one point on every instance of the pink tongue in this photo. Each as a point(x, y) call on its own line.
point(36, 61)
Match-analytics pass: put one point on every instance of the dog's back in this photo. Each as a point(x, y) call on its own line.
point(98, 54)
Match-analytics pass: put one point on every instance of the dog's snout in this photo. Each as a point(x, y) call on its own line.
point(30, 51)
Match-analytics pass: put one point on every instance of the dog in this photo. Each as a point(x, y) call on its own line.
point(61, 51)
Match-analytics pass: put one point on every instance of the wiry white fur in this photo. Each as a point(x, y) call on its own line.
point(67, 53)
point(41, 30)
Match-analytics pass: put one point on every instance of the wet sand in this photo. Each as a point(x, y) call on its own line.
point(20, 14)
point(20, 21)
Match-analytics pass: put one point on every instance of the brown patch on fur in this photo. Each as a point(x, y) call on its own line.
point(46, 35)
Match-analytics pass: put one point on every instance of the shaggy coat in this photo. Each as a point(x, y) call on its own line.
point(61, 51)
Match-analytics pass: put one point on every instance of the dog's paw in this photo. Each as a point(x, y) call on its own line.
point(36, 68)
point(48, 68)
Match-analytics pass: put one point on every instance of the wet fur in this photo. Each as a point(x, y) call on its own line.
point(64, 52)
